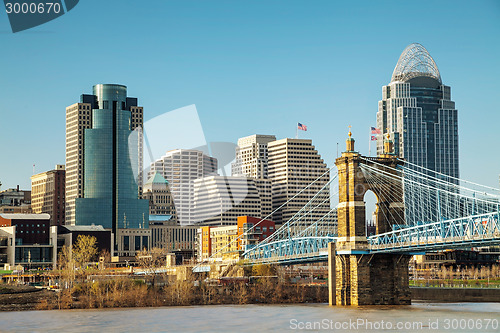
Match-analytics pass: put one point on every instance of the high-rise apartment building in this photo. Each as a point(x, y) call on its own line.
point(48, 194)
point(294, 164)
point(121, 116)
point(219, 200)
point(181, 167)
point(105, 161)
point(417, 111)
point(252, 156)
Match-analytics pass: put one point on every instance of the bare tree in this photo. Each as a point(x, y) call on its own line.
point(151, 261)
point(66, 266)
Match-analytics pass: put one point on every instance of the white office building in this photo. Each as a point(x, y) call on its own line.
point(293, 165)
point(219, 200)
point(181, 167)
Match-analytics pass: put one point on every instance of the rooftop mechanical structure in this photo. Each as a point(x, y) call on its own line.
point(415, 61)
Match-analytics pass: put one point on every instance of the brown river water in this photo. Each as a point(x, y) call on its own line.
point(419, 317)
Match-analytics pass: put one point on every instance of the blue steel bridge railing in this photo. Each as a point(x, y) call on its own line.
point(298, 249)
point(471, 231)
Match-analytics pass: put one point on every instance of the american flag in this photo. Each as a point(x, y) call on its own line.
point(301, 127)
point(376, 131)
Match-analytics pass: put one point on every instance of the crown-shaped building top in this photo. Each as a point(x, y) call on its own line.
point(415, 61)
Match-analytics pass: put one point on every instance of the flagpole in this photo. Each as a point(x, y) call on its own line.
point(297, 131)
point(370, 144)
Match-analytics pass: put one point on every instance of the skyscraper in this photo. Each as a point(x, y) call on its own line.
point(417, 111)
point(293, 165)
point(104, 156)
point(252, 156)
point(79, 117)
point(181, 167)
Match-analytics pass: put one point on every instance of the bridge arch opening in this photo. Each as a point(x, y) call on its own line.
point(371, 204)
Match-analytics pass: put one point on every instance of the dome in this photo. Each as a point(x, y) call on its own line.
point(415, 61)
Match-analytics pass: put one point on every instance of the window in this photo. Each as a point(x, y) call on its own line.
point(126, 243)
point(137, 243)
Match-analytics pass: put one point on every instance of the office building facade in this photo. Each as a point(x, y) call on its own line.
point(28, 240)
point(48, 194)
point(219, 200)
point(14, 197)
point(157, 191)
point(294, 164)
point(173, 237)
point(252, 156)
point(110, 173)
point(417, 112)
point(181, 167)
point(117, 120)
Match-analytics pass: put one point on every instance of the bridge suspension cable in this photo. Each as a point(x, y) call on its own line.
point(429, 198)
point(290, 228)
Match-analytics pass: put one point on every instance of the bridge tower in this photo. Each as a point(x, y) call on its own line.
point(362, 278)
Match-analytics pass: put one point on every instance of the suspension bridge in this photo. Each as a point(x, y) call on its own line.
point(437, 212)
point(417, 210)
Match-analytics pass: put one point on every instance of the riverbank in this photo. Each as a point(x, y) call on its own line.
point(123, 293)
point(452, 295)
point(22, 298)
point(126, 295)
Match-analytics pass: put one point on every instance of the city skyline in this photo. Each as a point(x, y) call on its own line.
point(299, 64)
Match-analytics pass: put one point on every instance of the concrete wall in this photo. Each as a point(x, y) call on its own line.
point(455, 294)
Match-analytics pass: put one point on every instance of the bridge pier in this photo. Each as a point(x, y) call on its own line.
point(369, 279)
point(361, 277)
point(332, 275)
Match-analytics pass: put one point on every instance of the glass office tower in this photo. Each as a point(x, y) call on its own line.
point(417, 111)
point(112, 162)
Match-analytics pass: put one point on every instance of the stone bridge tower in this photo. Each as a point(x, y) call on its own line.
point(362, 278)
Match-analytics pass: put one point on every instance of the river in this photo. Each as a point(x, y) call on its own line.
point(419, 317)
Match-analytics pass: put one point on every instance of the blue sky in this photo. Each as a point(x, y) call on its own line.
point(249, 67)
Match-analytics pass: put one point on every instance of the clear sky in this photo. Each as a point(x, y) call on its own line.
point(249, 67)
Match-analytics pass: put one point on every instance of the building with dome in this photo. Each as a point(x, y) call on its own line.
point(417, 112)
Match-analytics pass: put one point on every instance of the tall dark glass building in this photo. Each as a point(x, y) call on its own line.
point(112, 162)
point(417, 111)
